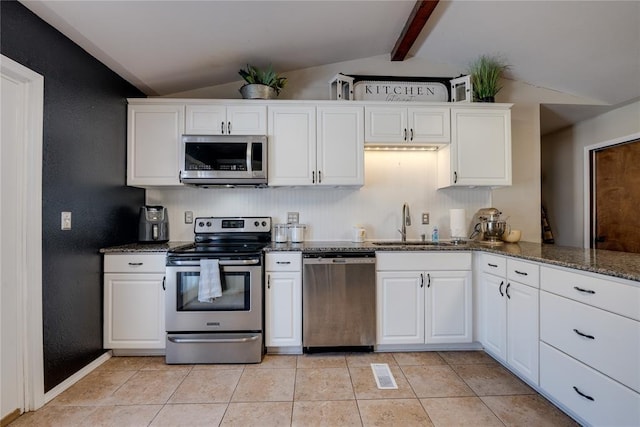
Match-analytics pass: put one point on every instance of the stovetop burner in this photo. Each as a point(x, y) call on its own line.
point(227, 236)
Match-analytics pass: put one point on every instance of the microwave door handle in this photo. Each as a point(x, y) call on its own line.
point(249, 165)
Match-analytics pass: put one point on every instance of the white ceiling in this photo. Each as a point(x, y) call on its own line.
point(590, 49)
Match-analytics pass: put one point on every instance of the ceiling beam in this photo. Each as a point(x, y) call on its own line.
point(417, 20)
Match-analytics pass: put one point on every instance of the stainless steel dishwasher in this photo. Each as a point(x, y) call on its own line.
point(338, 301)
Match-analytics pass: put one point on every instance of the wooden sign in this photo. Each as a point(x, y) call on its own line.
point(402, 89)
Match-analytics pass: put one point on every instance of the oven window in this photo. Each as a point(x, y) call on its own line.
point(236, 293)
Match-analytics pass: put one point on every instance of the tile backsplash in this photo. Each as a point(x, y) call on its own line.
point(391, 178)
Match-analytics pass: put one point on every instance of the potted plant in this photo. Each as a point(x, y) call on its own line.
point(485, 72)
point(261, 84)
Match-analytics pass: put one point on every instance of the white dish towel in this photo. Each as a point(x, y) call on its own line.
point(210, 286)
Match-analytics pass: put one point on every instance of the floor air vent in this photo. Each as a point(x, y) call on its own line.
point(384, 377)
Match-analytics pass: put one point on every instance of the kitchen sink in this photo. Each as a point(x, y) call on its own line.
point(416, 243)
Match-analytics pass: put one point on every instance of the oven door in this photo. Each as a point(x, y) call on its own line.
point(238, 309)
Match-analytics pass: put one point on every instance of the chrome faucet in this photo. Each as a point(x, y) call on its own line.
point(406, 220)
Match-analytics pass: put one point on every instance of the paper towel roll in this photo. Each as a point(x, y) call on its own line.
point(458, 223)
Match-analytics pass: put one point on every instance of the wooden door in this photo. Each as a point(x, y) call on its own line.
point(616, 178)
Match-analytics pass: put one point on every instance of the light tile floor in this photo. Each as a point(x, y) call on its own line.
point(434, 388)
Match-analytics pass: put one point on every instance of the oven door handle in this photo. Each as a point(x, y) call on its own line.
point(178, 340)
point(233, 263)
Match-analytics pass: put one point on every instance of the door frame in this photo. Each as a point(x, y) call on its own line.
point(589, 203)
point(30, 209)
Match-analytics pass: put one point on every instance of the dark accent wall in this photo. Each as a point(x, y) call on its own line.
point(84, 169)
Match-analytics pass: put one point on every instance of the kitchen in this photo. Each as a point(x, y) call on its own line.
point(86, 238)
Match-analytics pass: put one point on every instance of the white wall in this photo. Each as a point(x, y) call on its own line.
point(391, 178)
point(520, 202)
point(563, 168)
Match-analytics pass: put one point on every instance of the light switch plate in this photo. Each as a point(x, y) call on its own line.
point(65, 220)
point(188, 217)
point(425, 217)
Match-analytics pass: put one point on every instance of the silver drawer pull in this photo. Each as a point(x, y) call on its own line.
point(591, 337)
point(283, 262)
point(492, 265)
point(521, 273)
point(586, 291)
point(586, 396)
point(135, 264)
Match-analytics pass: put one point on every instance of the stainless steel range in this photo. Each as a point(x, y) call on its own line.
point(214, 292)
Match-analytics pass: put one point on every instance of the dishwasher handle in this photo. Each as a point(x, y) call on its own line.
point(338, 261)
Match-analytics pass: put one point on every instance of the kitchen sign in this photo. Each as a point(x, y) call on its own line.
point(416, 89)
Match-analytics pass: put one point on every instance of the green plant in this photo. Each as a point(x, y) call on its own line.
point(268, 77)
point(485, 74)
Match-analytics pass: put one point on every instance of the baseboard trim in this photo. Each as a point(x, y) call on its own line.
point(54, 392)
point(9, 418)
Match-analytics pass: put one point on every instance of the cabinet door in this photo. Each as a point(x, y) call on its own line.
point(522, 329)
point(206, 120)
point(480, 146)
point(493, 315)
point(429, 125)
point(340, 150)
point(448, 313)
point(400, 307)
point(283, 309)
point(247, 120)
point(386, 124)
point(292, 145)
point(134, 311)
point(153, 144)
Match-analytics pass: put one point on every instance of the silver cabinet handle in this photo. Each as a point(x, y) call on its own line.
point(411, 134)
point(229, 128)
point(136, 264)
point(319, 177)
point(428, 280)
point(522, 273)
point(586, 291)
point(421, 280)
point(222, 127)
point(283, 262)
point(455, 177)
point(313, 177)
point(405, 134)
point(269, 281)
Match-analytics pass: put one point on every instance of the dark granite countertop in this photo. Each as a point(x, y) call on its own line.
point(143, 247)
point(617, 264)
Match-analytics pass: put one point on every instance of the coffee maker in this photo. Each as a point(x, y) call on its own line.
point(153, 225)
point(489, 227)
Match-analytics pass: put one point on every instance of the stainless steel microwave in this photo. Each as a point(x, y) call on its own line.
point(224, 160)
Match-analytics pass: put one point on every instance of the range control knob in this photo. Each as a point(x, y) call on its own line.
point(264, 223)
point(201, 224)
point(256, 223)
point(208, 223)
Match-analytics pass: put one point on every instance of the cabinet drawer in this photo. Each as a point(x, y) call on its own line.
point(615, 347)
point(597, 291)
point(611, 404)
point(523, 272)
point(283, 261)
point(135, 263)
point(422, 261)
point(493, 264)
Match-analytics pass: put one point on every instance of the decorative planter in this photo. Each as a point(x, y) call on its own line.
point(258, 91)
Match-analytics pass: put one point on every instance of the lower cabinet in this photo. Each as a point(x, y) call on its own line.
point(423, 306)
point(134, 303)
point(283, 302)
point(509, 314)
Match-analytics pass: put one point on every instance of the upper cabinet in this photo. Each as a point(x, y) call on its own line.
point(153, 144)
point(480, 150)
point(220, 119)
point(311, 146)
point(405, 126)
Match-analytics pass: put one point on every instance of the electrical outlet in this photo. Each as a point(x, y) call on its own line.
point(293, 217)
point(65, 220)
point(188, 217)
point(425, 217)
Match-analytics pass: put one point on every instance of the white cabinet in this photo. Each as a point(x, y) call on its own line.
point(405, 126)
point(223, 119)
point(316, 147)
point(134, 303)
point(283, 302)
point(430, 306)
point(509, 313)
point(590, 345)
point(480, 149)
point(153, 144)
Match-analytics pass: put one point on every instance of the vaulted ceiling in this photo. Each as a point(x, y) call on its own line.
point(586, 48)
